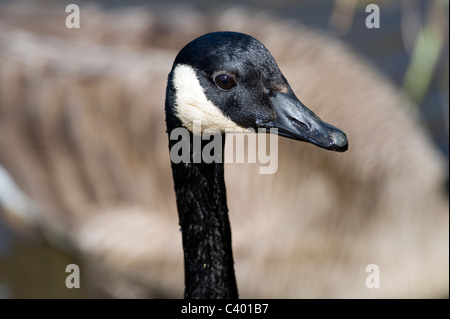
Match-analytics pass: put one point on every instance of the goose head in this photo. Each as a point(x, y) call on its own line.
point(230, 82)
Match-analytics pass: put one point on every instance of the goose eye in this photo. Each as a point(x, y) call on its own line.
point(225, 82)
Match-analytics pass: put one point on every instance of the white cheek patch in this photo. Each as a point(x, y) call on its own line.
point(192, 105)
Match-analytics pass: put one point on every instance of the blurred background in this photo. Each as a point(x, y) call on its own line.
point(65, 94)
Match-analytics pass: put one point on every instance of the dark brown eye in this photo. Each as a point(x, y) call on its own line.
point(225, 81)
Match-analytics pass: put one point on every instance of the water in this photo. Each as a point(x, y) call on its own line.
point(31, 268)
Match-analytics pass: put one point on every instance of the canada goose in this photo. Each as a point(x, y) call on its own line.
point(228, 80)
point(82, 133)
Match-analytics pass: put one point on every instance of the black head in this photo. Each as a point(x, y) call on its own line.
point(229, 80)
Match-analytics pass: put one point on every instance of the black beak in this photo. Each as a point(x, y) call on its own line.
point(296, 121)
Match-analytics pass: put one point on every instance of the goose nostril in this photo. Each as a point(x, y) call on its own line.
point(302, 125)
